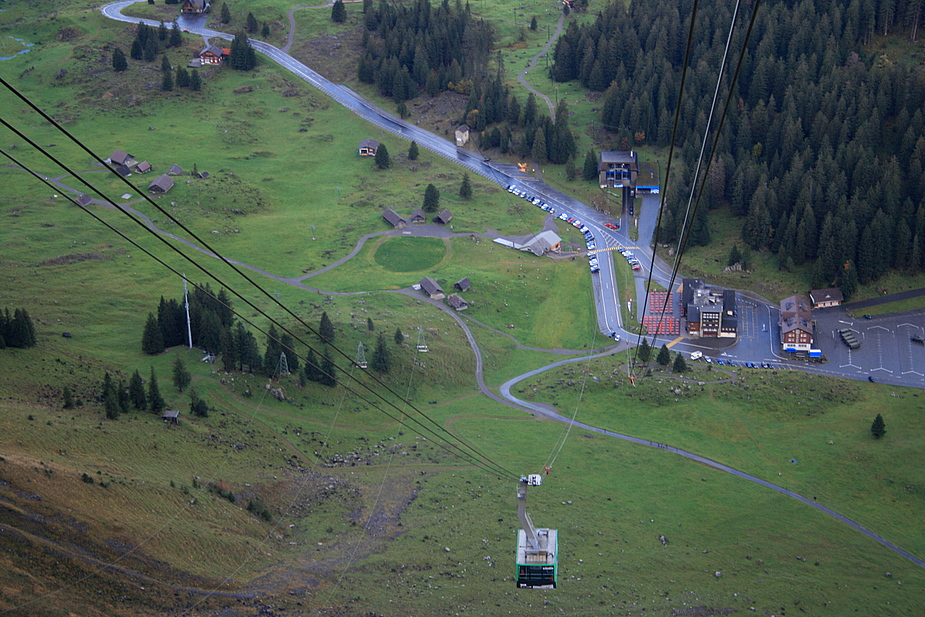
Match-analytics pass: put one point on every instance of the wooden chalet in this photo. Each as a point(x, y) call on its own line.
point(368, 147)
point(443, 218)
point(161, 185)
point(213, 54)
point(143, 167)
point(430, 287)
point(391, 217)
point(84, 200)
point(418, 217)
point(175, 170)
point(194, 7)
point(171, 416)
point(796, 324)
point(457, 303)
point(122, 158)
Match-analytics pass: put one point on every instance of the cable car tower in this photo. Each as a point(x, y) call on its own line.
point(361, 356)
point(537, 549)
point(422, 344)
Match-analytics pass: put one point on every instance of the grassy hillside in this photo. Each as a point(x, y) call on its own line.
point(321, 504)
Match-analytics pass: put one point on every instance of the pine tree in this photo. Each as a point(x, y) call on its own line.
point(465, 189)
point(195, 82)
point(136, 392)
point(19, 330)
point(176, 39)
point(165, 64)
point(382, 157)
point(338, 12)
point(570, 172)
point(182, 77)
point(265, 32)
point(735, 256)
point(226, 13)
point(152, 341)
point(533, 25)
point(326, 328)
point(181, 376)
point(250, 24)
point(679, 365)
point(155, 400)
point(271, 363)
point(122, 395)
point(242, 57)
point(399, 337)
point(664, 356)
point(382, 356)
point(137, 51)
point(167, 82)
point(288, 348)
point(111, 405)
point(162, 32)
point(68, 398)
point(369, 324)
point(197, 405)
point(312, 370)
point(878, 428)
point(328, 370)
point(645, 351)
point(119, 62)
point(431, 198)
point(150, 49)
point(589, 170)
point(413, 151)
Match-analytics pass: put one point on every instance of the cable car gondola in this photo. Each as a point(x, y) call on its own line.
point(537, 549)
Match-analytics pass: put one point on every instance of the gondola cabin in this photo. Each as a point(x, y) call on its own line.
point(537, 549)
point(538, 568)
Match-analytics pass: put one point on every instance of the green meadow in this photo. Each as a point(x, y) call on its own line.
point(370, 505)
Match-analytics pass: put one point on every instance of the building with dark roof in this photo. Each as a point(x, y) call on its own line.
point(708, 311)
point(823, 298)
point(418, 217)
point(368, 147)
point(443, 218)
point(161, 185)
point(430, 287)
point(456, 302)
point(391, 217)
point(463, 284)
point(618, 169)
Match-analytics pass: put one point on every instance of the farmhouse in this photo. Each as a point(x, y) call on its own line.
point(796, 324)
point(194, 7)
point(462, 134)
point(430, 287)
point(418, 217)
point(443, 218)
point(391, 217)
point(368, 147)
point(122, 158)
point(822, 298)
point(213, 55)
point(161, 185)
point(456, 302)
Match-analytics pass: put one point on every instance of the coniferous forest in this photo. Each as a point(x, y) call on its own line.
point(822, 151)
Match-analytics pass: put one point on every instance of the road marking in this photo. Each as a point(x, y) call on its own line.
point(674, 342)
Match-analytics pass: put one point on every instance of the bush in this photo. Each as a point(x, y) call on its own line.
point(87, 478)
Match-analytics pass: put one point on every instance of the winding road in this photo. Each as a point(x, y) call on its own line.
point(472, 162)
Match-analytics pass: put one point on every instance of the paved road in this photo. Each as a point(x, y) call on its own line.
point(604, 285)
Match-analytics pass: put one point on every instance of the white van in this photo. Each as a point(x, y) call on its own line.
point(696, 355)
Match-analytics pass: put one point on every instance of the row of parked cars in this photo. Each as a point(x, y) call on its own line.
point(733, 363)
point(630, 258)
point(571, 220)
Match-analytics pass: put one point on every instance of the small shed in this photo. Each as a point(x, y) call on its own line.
point(462, 134)
point(83, 199)
point(457, 302)
point(368, 147)
point(463, 284)
point(175, 170)
point(171, 416)
point(123, 170)
point(161, 185)
point(418, 217)
point(202, 175)
point(143, 167)
point(391, 217)
point(430, 287)
point(443, 218)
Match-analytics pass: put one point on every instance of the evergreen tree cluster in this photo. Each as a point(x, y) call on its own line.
point(16, 330)
point(823, 154)
point(418, 46)
point(242, 56)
